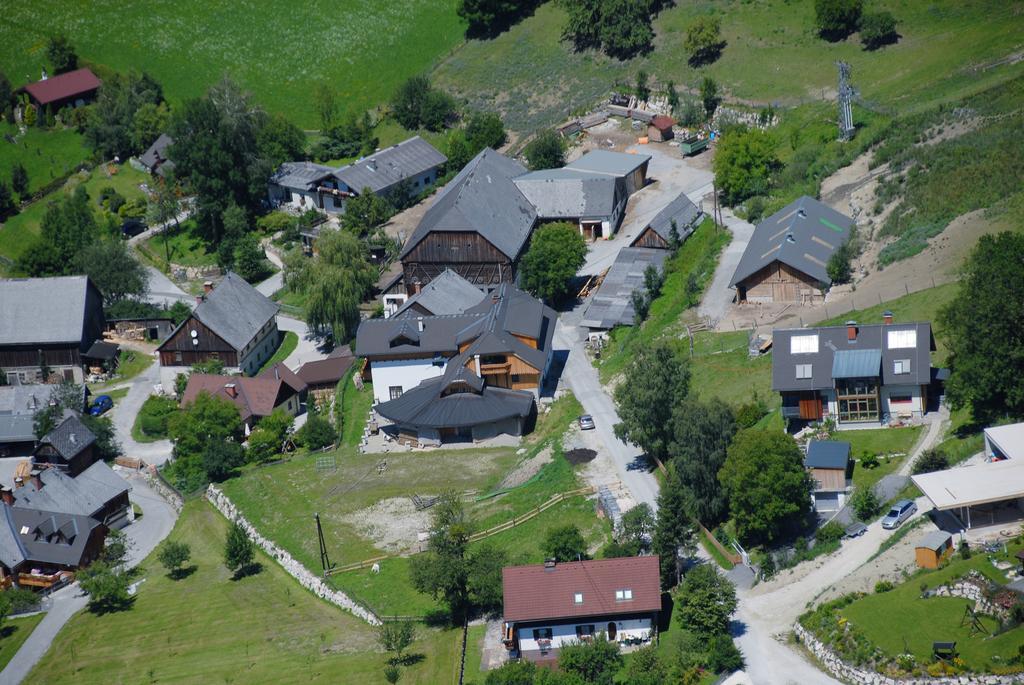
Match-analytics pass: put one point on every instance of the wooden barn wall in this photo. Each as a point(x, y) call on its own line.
point(12, 356)
point(650, 238)
point(779, 282)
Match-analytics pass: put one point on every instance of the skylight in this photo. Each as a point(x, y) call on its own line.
point(803, 344)
point(577, 598)
point(623, 595)
point(902, 339)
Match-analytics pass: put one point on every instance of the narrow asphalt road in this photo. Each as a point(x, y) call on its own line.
point(719, 295)
point(157, 520)
point(123, 417)
point(163, 291)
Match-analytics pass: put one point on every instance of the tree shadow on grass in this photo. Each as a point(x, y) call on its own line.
point(111, 605)
point(7, 631)
point(182, 573)
point(439, 618)
point(247, 570)
point(408, 659)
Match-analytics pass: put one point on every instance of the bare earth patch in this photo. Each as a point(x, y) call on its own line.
point(392, 524)
point(526, 469)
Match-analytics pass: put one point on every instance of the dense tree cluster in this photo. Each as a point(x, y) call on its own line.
point(556, 253)
point(207, 436)
point(417, 104)
point(620, 28)
point(744, 164)
point(61, 54)
point(488, 18)
point(837, 19)
point(129, 114)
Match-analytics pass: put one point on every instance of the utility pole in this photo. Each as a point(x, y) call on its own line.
point(846, 95)
point(325, 562)
point(714, 193)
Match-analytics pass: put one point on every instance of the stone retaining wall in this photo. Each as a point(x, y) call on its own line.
point(161, 488)
point(971, 588)
point(180, 272)
point(862, 676)
point(306, 579)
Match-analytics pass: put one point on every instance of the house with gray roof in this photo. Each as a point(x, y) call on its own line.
point(154, 159)
point(68, 447)
point(96, 492)
point(857, 374)
point(37, 547)
point(460, 376)
point(449, 293)
point(831, 470)
point(18, 407)
point(478, 226)
point(414, 164)
point(233, 323)
point(681, 213)
point(47, 325)
point(787, 257)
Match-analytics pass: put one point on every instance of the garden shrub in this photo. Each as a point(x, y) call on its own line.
point(883, 586)
point(830, 532)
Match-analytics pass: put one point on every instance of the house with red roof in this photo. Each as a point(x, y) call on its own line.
point(255, 398)
point(549, 605)
point(75, 88)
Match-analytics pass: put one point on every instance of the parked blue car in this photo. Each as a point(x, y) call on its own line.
point(100, 405)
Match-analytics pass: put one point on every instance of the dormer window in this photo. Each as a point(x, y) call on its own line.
point(624, 595)
point(577, 598)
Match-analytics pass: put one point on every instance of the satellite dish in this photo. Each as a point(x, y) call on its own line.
point(194, 334)
point(195, 342)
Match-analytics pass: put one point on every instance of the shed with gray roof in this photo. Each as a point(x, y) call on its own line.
point(155, 157)
point(612, 305)
point(97, 492)
point(413, 160)
point(787, 257)
point(68, 447)
point(658, 232)
point(449, 293)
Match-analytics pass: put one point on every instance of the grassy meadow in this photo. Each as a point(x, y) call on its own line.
point(208, 628)
point(45, 154)
point(363, 48)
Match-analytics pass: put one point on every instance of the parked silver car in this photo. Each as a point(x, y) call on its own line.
point(586, 422)
point(899, 513)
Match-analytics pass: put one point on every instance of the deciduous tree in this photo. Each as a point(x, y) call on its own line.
point(61, 54)
point(705, 601)
point(485, 581)
point(564, 543)
point(837, 19)
point(114, 270)
point(335, 283)
point(546, 150)
point(878, 29)
point(767, 485)
point(709, 96)
point(443, 570)
point(702, 431)
point(657, 378)
point(19, 180)
point(743, 164)
point(556, 253)
point(110, 128)
point(396, 636)
point(673, 530)
point(199, 430)
point(484, 129)
point(488, 18)
point(594, 660)
point(173, 555)
point(365, 212)
point(239, 550)
point(68, 225)
point(703, 40)
point(326, 104)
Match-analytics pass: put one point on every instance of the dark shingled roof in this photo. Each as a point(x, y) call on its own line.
point(12, 551)
point(83, 495)
point(827, 454)
point(425, 406)
point(482, 199)
point(69, 438)
point(385, 168)
point(833, 339)
point(235, 311)
point(685, 213)
point(449, 293)
point(535, 593)
point(300, 175)
point(155, 157)
point(330, 370)
point(803, 235)
point(62, 86)
point(43, 310)
point(102, 350)
point(51, 537)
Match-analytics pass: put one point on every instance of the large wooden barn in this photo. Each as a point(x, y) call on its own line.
point(788, 254)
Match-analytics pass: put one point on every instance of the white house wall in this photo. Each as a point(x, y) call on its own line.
point(915, 407)
point(565, 633)
point(407, 373)
point(260, 350)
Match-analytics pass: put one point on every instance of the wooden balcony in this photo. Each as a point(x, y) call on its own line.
point(43, 581)
point(495, 369)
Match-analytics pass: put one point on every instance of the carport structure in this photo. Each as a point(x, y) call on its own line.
point(1005, 442)
point(980, 495)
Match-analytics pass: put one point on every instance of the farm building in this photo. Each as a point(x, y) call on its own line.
point(828, 462)
point(466, 376)
point(550, 605)
point(660, 128)
point(658, 233)
point(321, 376)
point(18, 406)
point(39, 548)
point(478, 226)
point(613, 304)
point(74, 88)
point(787, 257)
point(987, 494)
point(855, 373)
point(96, 492)
point(68, 447)
point(48, 323)
point(933, 549)
point(232, 323)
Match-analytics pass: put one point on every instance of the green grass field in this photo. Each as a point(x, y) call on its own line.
point(45, 154)
point(207, 628)
point(183, 246)
point(721, 368)
point(281, 499)
point(947, 50)
point(13, 635)
point(289, 341)
point(363, 49)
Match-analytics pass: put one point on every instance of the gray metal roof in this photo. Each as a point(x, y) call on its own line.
point(235, 311)
point(426, 407)
point(385, 168)
point(613, 304)
point(449, 293)
point(70, 437)
point(935, 540)
point(18, 405)
point(375, 336)
point(862, 363)
point(685, 213)
point(84, 495)
point(608, 162)
point(827, 454)
point(833, 339)
point(156, 155)
point(571, 194)
point(482, 199)
point(102, 350)
point(300, 175)
point(12, 552)
point(803, 235)
point(43, 310)
point(52, 537)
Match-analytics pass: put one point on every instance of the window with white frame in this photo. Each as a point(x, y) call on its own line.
point(900, 366)
point(577, 598)
point(623, 595)
point(902, 339)
point(803, 344)
point(803, 370)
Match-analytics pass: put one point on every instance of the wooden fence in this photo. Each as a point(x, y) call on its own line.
point(731, 556)
point(494, 530)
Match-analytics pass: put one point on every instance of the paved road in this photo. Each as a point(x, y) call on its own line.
point(144, 535)
point(307, 349)
point(163, 291)
point(152, 231)
point(123, 416)
point(719, 295)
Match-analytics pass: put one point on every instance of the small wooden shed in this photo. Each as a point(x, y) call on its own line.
point(660, 128)
point(933, 549)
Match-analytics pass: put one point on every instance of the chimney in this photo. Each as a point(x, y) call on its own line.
point(37, 480)
point(208, 287)
point(7, 495)
point(887, 317)
point(549, 564)
point(790, 238)
point(851, 330)
point(419, 323)
point(19, 482)
point(231, 390)
point(277, 373)
point(416, 287)
point(199, 299)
